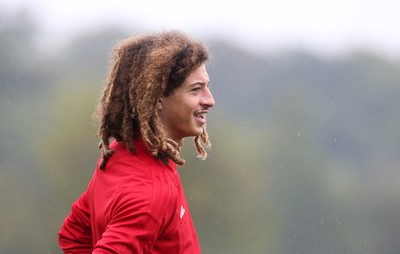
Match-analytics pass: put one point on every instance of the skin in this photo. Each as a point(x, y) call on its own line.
point(183, 113)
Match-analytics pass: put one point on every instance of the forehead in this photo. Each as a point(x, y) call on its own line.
point(198, 75)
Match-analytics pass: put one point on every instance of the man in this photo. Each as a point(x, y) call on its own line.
point(156, 94)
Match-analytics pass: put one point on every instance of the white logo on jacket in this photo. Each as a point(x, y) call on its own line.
point(182, 212)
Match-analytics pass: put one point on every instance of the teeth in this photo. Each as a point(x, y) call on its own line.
point(201, 115)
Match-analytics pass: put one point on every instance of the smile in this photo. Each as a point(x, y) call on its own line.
point(201, 116)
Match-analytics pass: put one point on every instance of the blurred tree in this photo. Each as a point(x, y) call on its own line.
point(18, 54)
point(91, 52)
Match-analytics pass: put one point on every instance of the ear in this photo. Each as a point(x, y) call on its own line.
point(159, 104)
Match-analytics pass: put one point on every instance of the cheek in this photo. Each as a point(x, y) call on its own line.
point(184, 113)
point(189, 104)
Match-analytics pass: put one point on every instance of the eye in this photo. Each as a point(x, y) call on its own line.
point(196, 89)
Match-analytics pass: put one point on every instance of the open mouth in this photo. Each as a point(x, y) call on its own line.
point(201, 116)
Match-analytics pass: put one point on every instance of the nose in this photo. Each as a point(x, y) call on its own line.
point(208, 99)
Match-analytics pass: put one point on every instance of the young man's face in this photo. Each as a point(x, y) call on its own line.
point(183, 113)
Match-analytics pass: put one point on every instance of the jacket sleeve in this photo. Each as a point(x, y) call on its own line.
point(134, 225)
point(75, 235)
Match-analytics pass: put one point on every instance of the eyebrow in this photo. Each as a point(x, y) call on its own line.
point(200, 83)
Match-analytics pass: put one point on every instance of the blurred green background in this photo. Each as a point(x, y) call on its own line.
point(305, 157)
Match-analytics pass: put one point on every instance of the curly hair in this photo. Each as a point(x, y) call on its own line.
point(143, 69)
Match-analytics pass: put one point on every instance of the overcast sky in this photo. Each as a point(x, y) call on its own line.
point(324, 26)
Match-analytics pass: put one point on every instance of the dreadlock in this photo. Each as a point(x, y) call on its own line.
point(143, 69)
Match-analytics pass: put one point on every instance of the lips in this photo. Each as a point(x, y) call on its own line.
point(201, 116)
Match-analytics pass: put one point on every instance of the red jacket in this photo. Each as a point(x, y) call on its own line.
point(136, 205)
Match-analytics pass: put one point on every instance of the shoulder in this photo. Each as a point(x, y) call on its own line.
point(140, 176)
point(124, 162)
point(148, 194)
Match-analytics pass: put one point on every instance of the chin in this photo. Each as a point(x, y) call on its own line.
point(196, 132)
